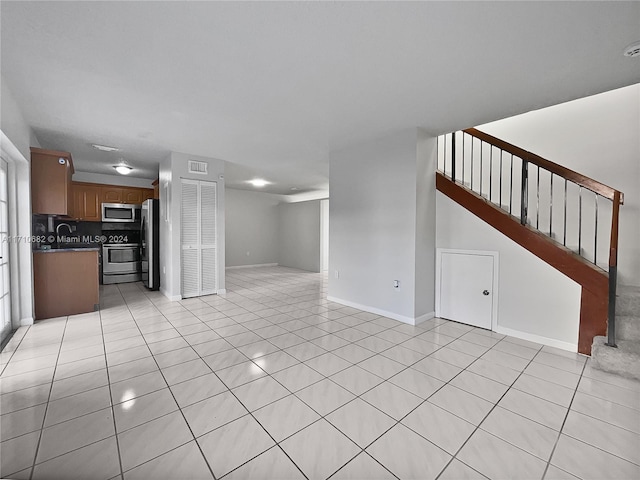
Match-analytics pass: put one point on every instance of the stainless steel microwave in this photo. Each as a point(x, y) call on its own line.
point(120, 212)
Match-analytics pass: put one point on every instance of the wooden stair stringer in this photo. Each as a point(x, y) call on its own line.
point(594, 281)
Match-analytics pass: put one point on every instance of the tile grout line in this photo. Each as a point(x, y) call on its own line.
point(276, 443)
point(477, 427)
point(248, 412)
point(111, 403)
point(555, 445)
point(358, 396)
point(397, 422)
point(172, 395)
point(248, 304)
point(46, 408)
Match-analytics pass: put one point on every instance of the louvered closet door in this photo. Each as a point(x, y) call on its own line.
point(199, 240)
point(208, 238)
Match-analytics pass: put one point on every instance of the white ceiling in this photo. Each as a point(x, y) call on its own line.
point(274, 87)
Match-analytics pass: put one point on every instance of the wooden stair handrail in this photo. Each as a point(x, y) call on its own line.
point(575, 177)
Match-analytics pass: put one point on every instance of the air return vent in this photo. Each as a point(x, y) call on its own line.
point(198, 167)
point(632, 50)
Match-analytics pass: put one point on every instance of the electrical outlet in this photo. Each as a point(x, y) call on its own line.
point(396, 284)
point(337, 274)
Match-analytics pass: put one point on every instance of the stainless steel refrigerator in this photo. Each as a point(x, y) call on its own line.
point(150, 243)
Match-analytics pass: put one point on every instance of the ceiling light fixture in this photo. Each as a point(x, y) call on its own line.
point(632, 50)
point(123, 169)
point(258, 182)
point(104, 148)
point(294, 189)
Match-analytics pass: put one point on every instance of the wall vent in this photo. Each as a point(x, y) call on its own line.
point(198, 167)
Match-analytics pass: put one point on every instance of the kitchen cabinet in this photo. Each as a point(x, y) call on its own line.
point(65, 282)
point(156, 189)
point(132, 195)
point(51, 172)
point(148, 193)
point(111, 194)
point(86, 202)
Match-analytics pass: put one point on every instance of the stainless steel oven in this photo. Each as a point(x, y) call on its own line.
point(121, 262)
point(120, 212)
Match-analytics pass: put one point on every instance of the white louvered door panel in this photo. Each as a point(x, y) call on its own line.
point(189, 272)
point(199, 272)
point(208, 237)
point(190, 225)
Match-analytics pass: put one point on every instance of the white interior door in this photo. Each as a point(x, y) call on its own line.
point(199, 266)
point(466, 292)
point(5, 293)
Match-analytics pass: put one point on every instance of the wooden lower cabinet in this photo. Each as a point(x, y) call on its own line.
point(65, 282)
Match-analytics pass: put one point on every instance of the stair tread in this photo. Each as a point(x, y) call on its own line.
point(624, 360)
point(625, 290)
point(626, 346)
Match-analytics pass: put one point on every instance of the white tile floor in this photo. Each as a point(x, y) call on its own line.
point(273, 381)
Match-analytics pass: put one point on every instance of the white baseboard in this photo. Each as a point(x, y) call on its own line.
point(425, 317)
point(237, 267)
point(384, 313)
point(26, 321)
point(173, 298)
point(551, 342)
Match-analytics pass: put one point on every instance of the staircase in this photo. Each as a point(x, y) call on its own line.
point(625, 359)
point(568, 220)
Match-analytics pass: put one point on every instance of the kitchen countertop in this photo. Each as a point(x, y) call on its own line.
point(79, 249)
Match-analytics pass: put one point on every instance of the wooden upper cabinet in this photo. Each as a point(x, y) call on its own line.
point(147, 193)
point(86, 201)
point(132, 195)
point(111, 194)
point(156, 189)
point(51, 172)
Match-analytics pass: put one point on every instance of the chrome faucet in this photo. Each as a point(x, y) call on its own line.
point(60, 225)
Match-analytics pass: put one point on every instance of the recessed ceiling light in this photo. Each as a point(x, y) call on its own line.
point(123, 169)
point(632, 50)
point(258, 182)
point(294, 188)
point(104, 148)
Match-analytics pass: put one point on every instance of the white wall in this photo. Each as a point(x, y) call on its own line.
point(165, 182)
point(375, 233)
point(425, 243)
point(324, 235)
point(172, 170)
point(534, 299)
point(123, 180)
point(16, 138)
point(13, 124)
point(299, 235)
point(252, 228)
point(598, 137)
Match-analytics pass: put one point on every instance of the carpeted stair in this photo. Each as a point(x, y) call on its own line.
point(624, 360)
